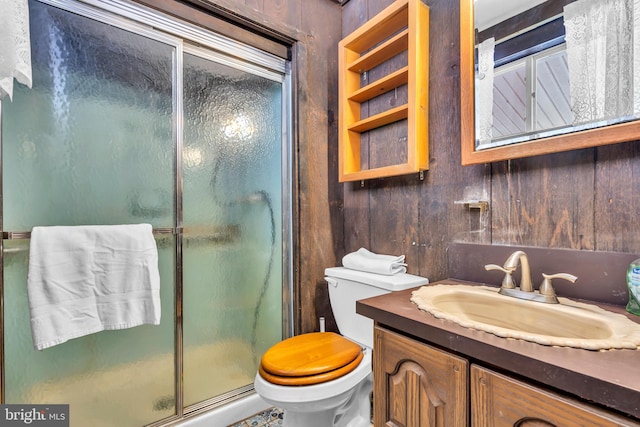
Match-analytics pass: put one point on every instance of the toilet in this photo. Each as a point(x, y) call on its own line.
point(324, 379)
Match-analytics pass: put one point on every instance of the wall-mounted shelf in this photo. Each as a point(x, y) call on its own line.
point(403, 26)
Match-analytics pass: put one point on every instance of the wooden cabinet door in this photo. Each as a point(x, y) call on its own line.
point(498, 401)
point(416, 385)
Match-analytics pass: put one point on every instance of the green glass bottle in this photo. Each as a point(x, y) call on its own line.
point(633, 282)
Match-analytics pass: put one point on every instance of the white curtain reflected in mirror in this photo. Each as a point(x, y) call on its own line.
point(484, 90)
point(600, 44)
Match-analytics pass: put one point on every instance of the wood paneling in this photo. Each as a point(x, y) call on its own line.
point(617, 198)
point(544, 201)
point(320, 222)
point(582, 199)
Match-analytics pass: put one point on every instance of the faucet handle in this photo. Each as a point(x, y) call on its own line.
point(546, 288)
point(508, 281)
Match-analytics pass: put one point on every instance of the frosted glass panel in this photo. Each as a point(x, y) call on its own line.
point(92, 142)
point(95, 142)
point(112, 378)
point(233, 225)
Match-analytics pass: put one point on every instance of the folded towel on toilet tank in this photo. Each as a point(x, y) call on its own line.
point(365, 260)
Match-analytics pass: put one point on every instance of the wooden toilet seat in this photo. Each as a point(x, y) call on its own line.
point(311, 358)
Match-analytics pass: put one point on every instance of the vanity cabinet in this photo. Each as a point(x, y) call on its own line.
point(416, 385)
point(500, 401)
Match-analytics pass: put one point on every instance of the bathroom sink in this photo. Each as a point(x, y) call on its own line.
point(568, 324)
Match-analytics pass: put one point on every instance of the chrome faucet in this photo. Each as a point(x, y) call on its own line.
point(525, 291)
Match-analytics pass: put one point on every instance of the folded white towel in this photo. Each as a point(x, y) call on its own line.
point(86, 279)
point(364, 260)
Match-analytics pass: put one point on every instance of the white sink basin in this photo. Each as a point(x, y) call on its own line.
point(568, 324)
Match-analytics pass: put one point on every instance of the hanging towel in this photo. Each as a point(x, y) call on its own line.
point(86, 279)
point(364, 260)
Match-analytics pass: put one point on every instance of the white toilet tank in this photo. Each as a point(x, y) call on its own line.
point(346, 286)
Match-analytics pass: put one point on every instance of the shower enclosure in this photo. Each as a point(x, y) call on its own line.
point(137, 118)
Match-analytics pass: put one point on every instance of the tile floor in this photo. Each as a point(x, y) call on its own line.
point(269, 418)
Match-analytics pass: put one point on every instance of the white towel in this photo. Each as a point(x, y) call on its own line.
point(364, 260)
point(86, 279)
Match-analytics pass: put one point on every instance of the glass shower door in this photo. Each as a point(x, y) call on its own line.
point(91, 143)
point(232, 202)
point(129, 122)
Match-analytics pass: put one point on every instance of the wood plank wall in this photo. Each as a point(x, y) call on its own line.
point(586, 199)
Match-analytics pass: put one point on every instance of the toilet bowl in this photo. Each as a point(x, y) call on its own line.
point(341, 402)
point(322, 379)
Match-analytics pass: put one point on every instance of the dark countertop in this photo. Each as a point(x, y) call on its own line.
point(610, 378)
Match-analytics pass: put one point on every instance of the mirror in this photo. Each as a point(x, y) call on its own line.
point(523, 142)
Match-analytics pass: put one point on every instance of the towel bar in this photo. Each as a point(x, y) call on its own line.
point(17, 235)
point(217, 235)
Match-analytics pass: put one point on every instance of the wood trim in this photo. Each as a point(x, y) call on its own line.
point(467, 89)
point(613, 134)
point(382, 53)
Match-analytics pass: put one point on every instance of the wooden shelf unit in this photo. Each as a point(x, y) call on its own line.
point(403, 26)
